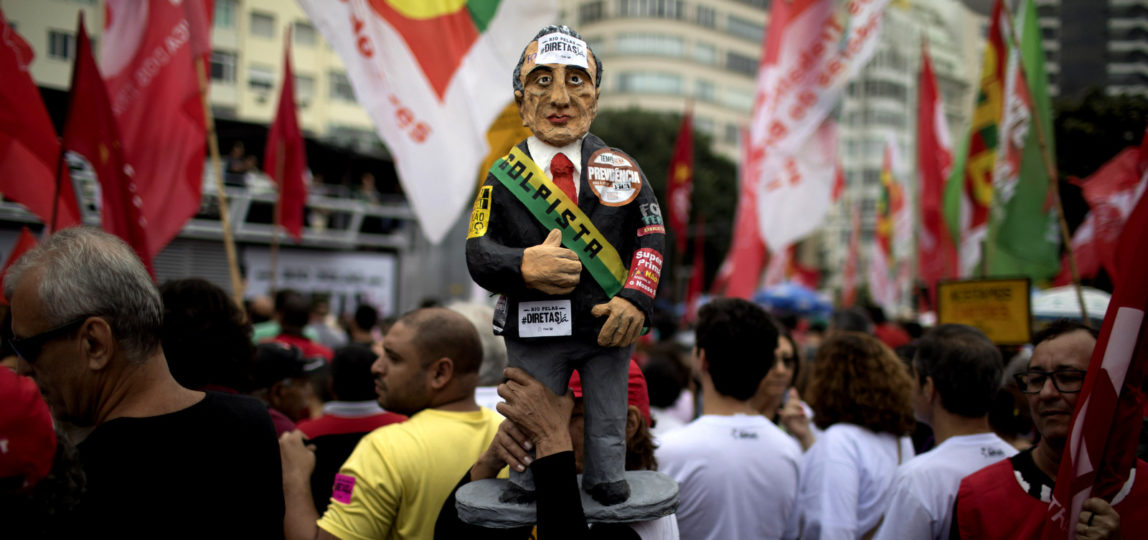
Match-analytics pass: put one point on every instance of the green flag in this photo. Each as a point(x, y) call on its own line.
point(1023, 235)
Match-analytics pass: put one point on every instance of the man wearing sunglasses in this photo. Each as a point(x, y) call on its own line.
point(161, 460)
point(1009, 499)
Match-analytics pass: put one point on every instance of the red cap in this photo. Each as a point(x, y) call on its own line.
point(27, 438)
point(636, 392)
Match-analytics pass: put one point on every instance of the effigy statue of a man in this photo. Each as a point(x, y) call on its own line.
point(566, 229)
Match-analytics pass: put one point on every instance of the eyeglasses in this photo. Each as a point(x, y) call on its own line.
point(1067, 381)
point(29, 348)
point(787, 361)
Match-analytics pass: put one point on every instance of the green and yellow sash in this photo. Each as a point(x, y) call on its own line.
point(553, 209)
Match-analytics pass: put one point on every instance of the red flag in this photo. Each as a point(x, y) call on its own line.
point(24, 244)
point(1101, 450)
point(148, 55)
point(838, 183)
point(738, 274)
point(806, 275)
point(91, 132)
point(1112, 192)
point(29, 148)
point(284, 158)
point(849, 273)
point(680, 184)
point(1084, 249)
point(697, 276)
point(936, 251)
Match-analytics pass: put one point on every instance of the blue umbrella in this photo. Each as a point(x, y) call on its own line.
point(793, 298)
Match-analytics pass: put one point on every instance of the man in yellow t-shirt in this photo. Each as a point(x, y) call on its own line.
point(396, 480)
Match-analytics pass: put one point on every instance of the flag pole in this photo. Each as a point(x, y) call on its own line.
point(217, 170)
point(1050, 166)
point(59, 185)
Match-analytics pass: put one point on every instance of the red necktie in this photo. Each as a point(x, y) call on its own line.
point(563, 172)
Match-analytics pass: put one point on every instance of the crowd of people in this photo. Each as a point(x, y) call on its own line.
point(160, 412)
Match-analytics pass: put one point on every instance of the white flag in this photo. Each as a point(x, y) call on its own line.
point(812, 49)
point(432, 77)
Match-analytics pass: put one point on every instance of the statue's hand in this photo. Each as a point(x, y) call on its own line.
point(624, 325)
point(549, 267)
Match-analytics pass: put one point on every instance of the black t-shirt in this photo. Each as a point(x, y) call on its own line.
point(208, 471)
point(1032, 479)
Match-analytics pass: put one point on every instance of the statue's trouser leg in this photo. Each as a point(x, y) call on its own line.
point(604, 384)
point(550, 360)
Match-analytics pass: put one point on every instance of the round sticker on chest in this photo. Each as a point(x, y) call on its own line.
point(613, 176)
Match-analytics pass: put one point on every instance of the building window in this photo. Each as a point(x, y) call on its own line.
point(304, 90)
point(591, 12)
point(741, 63)
point(883, 118)
point(263, 24)
point(732, 134)
point(745, 29)
point(61, 45)
point(664, 9)
point(886, 89)
point(223, 66)
point(597, 44)
point(303, 34)
point(341, 87)
point(704, 125)
point(260, 78)
point(650, 44)
point(706, 16)
point(224, 14)
point(703, 90)
point(650, 83)
point(705, 54)
point(738, 98)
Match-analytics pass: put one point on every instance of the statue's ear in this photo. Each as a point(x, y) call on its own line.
point(518, 96)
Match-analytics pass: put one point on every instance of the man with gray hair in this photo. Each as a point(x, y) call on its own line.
point(161, 460)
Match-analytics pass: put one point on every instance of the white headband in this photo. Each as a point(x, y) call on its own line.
point(558, 48)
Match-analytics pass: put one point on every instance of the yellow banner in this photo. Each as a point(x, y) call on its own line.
point(998, 307)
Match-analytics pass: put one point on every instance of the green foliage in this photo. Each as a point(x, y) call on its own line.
point(1094, 129)
point(649, 138)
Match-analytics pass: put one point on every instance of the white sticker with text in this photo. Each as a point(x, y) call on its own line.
point(557, 48)
point(544, 318)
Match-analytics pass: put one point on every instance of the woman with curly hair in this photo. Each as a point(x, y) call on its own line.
point(862, 394)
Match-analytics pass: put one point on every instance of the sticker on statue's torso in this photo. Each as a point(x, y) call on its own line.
point(544, 318)
point(613, 176)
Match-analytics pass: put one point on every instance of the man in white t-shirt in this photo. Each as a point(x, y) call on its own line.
point(957, 373)
point(737, 472)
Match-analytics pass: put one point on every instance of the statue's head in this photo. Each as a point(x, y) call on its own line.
point(556, 85)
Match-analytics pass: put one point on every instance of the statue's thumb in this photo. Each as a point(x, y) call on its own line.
point(554, 239)
point(600, 310)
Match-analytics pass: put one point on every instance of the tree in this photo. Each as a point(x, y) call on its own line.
point(649, 138)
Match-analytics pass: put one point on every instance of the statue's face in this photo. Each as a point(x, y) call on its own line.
point(558, 101)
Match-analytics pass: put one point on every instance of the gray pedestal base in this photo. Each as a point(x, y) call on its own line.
point(652, 495)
